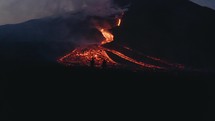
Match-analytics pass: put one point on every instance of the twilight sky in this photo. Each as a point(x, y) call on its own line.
point(16, 11)
point(206, 3)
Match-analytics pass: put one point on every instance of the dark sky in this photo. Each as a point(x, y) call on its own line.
point(16, 11)
point(206, 3)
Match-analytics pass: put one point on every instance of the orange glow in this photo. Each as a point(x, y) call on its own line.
point(121, 55)
point(173, 65)
point(97, 52)
point(119, 22)
point(83, 55)
point(107, 35)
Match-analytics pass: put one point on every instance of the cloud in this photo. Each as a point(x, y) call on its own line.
point(16, 11)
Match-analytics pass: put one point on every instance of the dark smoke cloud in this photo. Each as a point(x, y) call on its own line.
point(60, 25)
point(16, 11)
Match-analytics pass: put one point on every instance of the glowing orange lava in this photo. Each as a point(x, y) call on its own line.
point(119, 22)
point(121, 55)
point(83, 55)
point(107, 35)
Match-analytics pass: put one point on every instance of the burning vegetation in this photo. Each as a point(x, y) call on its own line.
point(97, 54)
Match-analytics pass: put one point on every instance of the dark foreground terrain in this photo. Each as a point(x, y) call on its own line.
point(174, 30)
point(57, 92)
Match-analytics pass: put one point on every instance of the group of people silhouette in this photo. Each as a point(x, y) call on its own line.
point(92, 63)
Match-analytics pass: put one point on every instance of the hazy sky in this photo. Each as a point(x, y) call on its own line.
point(16, 11)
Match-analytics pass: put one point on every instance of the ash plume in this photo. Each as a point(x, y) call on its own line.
point(17, 11)
point(53, 27)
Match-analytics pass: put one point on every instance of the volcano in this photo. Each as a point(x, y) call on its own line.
point(83, 56)
point(97, 54)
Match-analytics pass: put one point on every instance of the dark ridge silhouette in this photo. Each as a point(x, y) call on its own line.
point(178, 30)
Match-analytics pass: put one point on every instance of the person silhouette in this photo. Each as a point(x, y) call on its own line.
point(104, 64)
point(92, 63)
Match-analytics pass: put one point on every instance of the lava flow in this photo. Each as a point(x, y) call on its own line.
point(83, 56)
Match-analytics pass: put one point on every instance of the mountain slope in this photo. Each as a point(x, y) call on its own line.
point(44, 39)
point(178, 30)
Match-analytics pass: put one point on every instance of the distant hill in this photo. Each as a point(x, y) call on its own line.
point(44, 39)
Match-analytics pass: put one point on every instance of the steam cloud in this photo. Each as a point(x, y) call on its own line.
point(16, 11)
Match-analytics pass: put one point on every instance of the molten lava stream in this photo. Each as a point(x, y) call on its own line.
point(107, 35)
point(121, 55)
point(83, 55)
point(179, 66)
point(119, 22)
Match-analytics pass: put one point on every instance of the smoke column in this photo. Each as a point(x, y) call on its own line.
point(61, 25)
point(17, 11)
